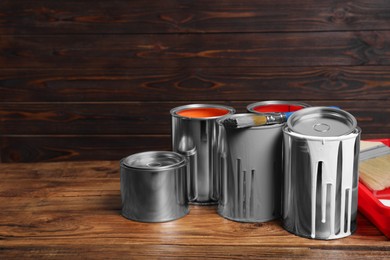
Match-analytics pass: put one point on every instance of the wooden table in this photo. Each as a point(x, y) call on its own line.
point(72, 210)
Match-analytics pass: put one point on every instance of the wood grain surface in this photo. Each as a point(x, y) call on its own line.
point(196, 50)
point(195, 84)
point(37, 148)
point(89, 80)
point(72, 210)
point(171, 16)
point(124, 118)
point(33, 132)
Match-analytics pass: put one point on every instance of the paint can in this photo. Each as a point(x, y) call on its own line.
point(275, 106)
point(194, 135)
point(153, 186)
point(321, 150)
point(251, 168)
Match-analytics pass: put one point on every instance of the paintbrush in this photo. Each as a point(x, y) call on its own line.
point(375, 164)
point(250, 120)
point(375, 173)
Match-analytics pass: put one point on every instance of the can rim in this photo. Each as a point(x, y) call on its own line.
point(353, 134)
point(336, 112)
point(174, 111)
point(182, 161)
point(251, 107)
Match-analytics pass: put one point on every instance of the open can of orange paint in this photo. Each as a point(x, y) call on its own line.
point(195, 135)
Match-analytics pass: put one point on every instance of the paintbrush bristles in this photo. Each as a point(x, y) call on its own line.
point(259, 120)
point(375, 173)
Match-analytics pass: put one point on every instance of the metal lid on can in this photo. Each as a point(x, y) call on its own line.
point(154, 161)
point(322, 122)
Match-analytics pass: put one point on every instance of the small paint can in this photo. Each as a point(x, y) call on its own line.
point(275, 106)
point(321, 154)
point(251, 172)
point(153, 186)
point(194, 135)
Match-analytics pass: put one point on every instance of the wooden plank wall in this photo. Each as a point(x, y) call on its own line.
point(84, 80)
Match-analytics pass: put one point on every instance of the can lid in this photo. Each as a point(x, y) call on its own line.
point(322, 122)
point(154, 161)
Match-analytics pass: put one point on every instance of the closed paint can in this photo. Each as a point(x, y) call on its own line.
point(153, 186)
point(194, 135)
point(275, 106)
point(250, 169)
point(321, 150)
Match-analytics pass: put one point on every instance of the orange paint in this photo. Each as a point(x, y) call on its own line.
point(203, 112)
point(278, 108)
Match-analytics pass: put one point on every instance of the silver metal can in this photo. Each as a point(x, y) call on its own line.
point(153, 186)
point(194, 135)
point(321, 150)
point(275, 106)
point(251, 172)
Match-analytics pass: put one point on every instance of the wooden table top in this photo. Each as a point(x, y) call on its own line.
point(72, 210)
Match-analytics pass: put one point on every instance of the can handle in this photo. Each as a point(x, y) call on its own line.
point(192, 173)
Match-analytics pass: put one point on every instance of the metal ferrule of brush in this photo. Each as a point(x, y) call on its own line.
point(276, 118)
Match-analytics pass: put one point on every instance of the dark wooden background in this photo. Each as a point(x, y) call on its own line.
point(84, 80)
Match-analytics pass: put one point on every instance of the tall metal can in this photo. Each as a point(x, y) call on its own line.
point(251, 169)
point(321, 150)
point(194, 135)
